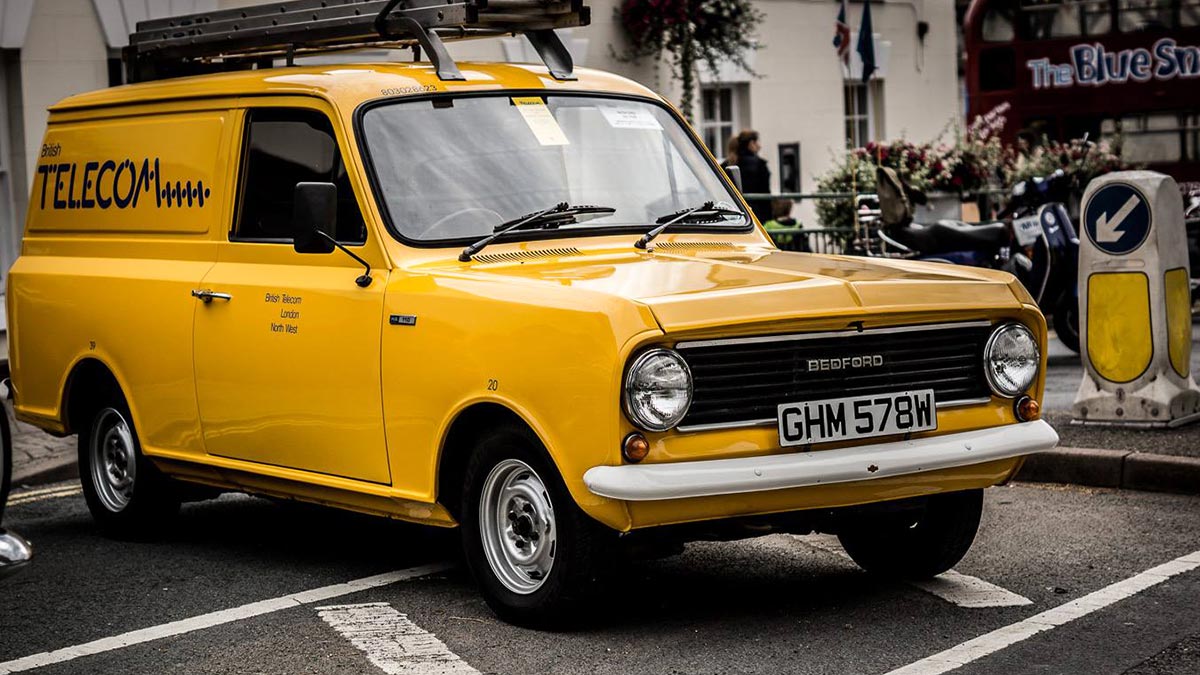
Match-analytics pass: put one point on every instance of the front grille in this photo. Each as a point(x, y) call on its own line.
point(742, 381)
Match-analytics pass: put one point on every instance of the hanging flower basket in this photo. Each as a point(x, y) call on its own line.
point(691, 32)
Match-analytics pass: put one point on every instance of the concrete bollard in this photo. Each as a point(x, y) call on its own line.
point(1135, 304)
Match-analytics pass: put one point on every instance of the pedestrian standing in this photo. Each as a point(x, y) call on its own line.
point(756, 177)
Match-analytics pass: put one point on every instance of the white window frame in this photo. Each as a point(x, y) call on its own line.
point(714, 126)
point(872, 120)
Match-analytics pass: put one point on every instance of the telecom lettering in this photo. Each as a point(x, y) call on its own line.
point(1091, 65)
point(111, 184)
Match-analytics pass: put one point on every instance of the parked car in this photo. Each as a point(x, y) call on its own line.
point(527, 304)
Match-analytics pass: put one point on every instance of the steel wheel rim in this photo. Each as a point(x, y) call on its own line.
point(516, 524)
point(113, 460)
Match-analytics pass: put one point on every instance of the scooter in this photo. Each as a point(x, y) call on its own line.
point(1035, 241)
point(1046, 258)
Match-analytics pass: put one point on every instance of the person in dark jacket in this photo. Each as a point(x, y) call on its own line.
point(756, 177)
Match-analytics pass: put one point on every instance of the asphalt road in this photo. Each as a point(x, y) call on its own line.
point(777, 604)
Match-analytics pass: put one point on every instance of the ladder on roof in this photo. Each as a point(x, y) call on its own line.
point(249, 37)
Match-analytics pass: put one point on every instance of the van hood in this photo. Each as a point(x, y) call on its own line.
point(699, 288)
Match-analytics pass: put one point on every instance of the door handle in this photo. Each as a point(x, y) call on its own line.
point(208, 296)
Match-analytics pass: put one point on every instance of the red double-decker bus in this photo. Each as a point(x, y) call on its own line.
point(1096, 67)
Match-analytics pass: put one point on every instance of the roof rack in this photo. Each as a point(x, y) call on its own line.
point(253, 37)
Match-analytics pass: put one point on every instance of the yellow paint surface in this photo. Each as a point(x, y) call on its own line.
point(1179, 319)
point(1119, 343)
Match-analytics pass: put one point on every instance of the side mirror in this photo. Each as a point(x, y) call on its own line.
point(314, 217)
point(735, 174)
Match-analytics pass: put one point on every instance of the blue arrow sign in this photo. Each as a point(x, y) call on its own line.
point(1117, 219)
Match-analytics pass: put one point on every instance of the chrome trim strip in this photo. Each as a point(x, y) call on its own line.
point(963, 402)
point(728, 425)
point(707, 478)
point(773, 422)
point(846, 332)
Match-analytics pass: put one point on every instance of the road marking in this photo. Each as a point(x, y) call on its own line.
point(989, 643)
point(44, 490)
point(953, 587)
point(217, 618)
point(42, 495)
point(393, 642)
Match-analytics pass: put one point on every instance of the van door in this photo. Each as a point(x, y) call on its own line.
point(286, 344)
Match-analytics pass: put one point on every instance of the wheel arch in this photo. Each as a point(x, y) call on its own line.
point(460, 435)
point(88, 381)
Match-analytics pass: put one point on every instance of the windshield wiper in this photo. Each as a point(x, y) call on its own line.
point(555, 216)
point(706, 211)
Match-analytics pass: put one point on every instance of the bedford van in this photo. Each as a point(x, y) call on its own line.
point(528, 306)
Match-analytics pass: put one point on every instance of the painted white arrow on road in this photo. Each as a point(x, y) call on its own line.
point(1106, 228)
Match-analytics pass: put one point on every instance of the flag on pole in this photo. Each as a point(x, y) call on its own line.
point(841, 36)
point(866, 43)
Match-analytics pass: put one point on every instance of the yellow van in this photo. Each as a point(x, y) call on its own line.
point(520, 300)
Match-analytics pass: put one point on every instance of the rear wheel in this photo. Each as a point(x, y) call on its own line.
point(532, 552)
point(1066, 322)
point(918, 543)
point(127, 495)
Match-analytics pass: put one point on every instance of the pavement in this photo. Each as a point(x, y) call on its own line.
point(1060, 580)
point(1148, 459)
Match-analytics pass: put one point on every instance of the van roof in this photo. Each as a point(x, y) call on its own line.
point(347, 85)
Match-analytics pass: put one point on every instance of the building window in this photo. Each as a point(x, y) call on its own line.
point(864, 118)
point(720, 116)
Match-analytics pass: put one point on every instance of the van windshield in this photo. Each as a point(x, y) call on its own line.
point(454, 169)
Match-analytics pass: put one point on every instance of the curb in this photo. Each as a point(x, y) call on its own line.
point(66, 470)
point(1114, 469)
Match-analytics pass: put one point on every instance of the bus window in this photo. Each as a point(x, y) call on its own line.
point(997, 69)
point(1160, 137)
point(998, 25)
point(1050, 19)
point(1045, 19)
point(1189, 13)
point(1138, 15)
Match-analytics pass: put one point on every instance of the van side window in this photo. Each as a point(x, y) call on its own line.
point(284, 147)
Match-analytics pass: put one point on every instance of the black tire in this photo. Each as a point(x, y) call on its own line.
point(1066, 322)
point(6, 460)
point(147, 500)
point(915, 544)
point(578, 548)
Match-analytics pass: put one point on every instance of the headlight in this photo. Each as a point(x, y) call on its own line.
point(658, 390)
point(1011, 360)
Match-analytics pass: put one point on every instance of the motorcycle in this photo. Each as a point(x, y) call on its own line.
point(1034, 240)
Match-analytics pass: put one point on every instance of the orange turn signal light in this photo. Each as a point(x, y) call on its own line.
point(635, 448)
point(1027, 409)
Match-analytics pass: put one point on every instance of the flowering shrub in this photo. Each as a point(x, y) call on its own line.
point(975, 161)
point(1081, 160)
point(692, 32)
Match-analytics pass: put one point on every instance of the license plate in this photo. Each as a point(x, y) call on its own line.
point(839, 419)
point(1027, 230)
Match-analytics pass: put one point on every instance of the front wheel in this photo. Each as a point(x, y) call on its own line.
point(915, 544)
point(532, 552)
point(127, 495)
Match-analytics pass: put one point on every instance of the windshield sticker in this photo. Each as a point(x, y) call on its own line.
point(540, 120)
point(630, 118)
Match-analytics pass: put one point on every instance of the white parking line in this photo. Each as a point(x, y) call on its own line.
point(393, 642)
point(989, 643)
point(42, 495)
point(217, 618)
point(953, 587)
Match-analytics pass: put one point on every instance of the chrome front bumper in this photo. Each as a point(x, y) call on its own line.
point(707, 478)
